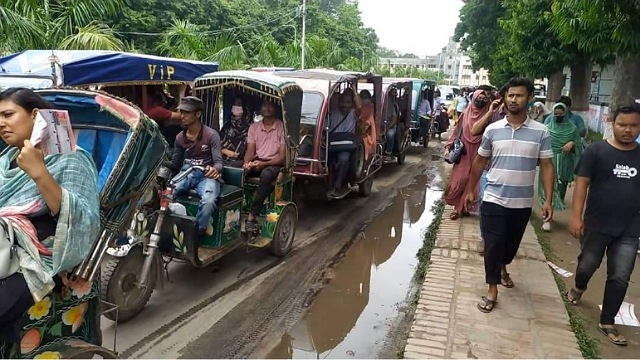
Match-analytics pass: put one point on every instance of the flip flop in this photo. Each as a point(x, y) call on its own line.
point(486, 305)
point(573, 297)
point(454, 215)
point(612, 331)
point(506, 281)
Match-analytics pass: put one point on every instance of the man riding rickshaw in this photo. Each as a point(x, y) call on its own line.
point(338, 148)
point(206, 207)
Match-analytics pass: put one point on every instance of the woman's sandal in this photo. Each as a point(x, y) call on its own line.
point(486, 305)
point(609, 332)
point(573, 297)
point(454, 215)
point(506, 281)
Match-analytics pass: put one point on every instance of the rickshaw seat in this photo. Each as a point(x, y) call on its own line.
point(229, 195)
point(231, 191)
point(105, 147)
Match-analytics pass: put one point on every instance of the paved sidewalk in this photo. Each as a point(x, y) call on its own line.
point(529, 321)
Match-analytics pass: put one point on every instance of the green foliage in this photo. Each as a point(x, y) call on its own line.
point(599, 26)
point(478, 31)
point(50, 24)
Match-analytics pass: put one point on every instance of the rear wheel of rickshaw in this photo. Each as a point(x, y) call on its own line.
point(119, 285)
point(285, 231)
point(359, 160)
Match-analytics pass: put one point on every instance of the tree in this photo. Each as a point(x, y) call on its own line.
point(52, 24)
point(478, 30)
point(605, 27)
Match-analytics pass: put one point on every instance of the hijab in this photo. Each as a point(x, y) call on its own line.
point(235, 132)
point(470, 116)
point(561, 132)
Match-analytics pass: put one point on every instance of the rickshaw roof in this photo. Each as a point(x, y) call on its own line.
point(325, 74)
point(259, 81)
point(96, 67)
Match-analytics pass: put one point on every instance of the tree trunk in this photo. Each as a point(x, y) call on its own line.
point(626, 87)
point(580, 85)
point(556, 83)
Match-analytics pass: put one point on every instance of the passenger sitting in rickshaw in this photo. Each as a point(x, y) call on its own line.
point(198, 145)
point(391, 120)
point(158, 110)
point(367, 124)
point(342, 139)
point(234, 135)
point(266, 154)
point(424, 114)
point(50, 204)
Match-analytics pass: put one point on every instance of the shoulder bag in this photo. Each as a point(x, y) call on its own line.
point(342, 141)
point(9, 262)
point(457, 149)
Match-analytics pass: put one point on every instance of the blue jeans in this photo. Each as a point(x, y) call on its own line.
point(208, 191)
point(621, 258)
point(391, 140)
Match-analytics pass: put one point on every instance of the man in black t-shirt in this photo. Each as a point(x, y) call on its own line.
point(608, 171)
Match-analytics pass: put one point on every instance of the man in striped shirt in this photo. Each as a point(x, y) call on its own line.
point(514, 145)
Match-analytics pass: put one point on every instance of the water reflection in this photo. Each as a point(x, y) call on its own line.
point(351, 315)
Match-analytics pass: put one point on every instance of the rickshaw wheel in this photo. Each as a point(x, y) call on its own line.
point(285, 231)
point(119, 280)
point(359, 160)
point(364, 188)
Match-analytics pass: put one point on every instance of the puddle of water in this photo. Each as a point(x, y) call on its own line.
point(353, 314)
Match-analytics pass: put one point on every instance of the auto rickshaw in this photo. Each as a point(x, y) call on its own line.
point(314, 169)
point(398, 93)
point(128, 149)
point(166, 228)
point(422, 128)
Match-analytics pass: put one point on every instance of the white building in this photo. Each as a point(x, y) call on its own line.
point(455, 66)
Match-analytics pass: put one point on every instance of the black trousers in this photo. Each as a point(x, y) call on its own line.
point(268, 176)
point(502, 230)
point(621, 258)
point(15, 300)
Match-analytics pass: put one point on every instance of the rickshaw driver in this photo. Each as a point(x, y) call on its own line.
point(157, 110)
point(266, 154)
point(344, 121)
point(198, 145)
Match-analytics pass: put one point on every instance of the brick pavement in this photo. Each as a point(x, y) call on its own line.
point(529, 321)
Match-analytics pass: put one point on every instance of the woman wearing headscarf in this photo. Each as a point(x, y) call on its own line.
point(366, 123)
point(565, 142)
point(538, 112)
point(455, 193)
point(234, 135)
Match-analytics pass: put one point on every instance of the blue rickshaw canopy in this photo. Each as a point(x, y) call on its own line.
point(90, 67)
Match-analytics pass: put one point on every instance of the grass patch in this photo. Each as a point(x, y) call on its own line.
point(593, 136)
point(424, 254)
point(587, 343)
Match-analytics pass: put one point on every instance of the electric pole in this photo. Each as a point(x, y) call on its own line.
point(304, 30)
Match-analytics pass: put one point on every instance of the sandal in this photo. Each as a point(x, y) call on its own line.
point(486, 305)
point(506, 281)
point(609, 332)
point(454, 215)
point(573, 296)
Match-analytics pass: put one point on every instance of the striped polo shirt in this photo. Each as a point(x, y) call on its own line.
point(514, 157)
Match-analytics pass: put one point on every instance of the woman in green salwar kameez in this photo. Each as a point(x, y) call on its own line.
point(567, 149)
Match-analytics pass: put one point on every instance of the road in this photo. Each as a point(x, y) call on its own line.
point(244, 304)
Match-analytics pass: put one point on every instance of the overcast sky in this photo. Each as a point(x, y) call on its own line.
point(421, 27)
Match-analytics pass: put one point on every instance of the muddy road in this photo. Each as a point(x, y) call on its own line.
point(343, 288)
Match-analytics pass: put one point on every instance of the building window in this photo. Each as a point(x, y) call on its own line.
point(466, 77)
point(467, 67)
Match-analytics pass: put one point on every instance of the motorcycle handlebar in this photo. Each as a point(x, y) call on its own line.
point(186, 173)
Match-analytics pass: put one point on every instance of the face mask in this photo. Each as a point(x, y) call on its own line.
point(480, 103)
point(559, 118)
point(237, 111)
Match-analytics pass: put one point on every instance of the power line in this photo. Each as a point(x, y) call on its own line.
point(216, 32)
